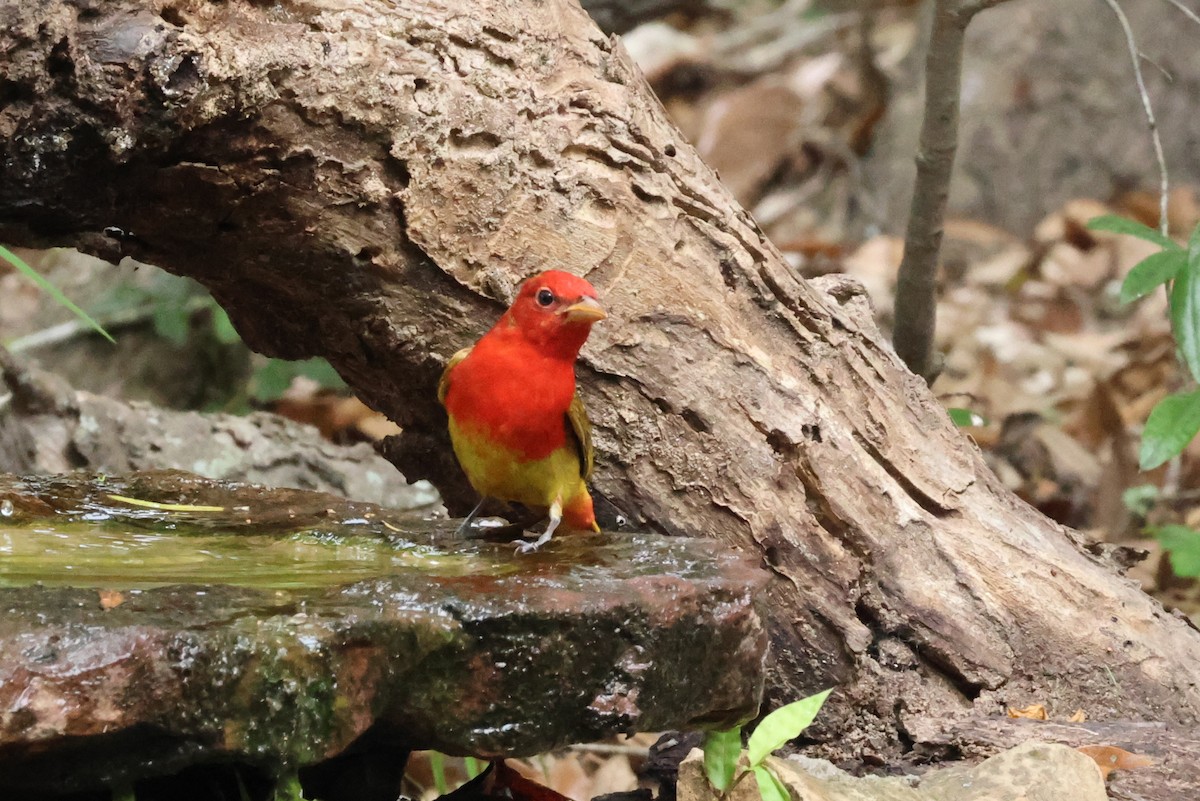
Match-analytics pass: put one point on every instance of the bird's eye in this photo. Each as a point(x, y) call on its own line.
point(545, 297)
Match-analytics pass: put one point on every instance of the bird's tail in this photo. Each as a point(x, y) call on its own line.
point(579, 514)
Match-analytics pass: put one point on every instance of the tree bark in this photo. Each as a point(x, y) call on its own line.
point(368, 180)
point(916, 282)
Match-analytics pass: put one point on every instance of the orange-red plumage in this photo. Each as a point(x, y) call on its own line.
point(519, 430)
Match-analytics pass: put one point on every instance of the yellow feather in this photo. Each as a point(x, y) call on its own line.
point(497, 472)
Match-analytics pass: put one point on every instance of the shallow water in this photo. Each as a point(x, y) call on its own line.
point(162, 528)
point(84, 554)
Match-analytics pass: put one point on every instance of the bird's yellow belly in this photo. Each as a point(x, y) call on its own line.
point(499, 472)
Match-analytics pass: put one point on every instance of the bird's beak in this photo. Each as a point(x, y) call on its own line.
point(586, 310)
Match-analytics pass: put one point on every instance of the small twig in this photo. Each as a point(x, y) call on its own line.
point(1178, 496)
point(1187, 12)
point(54, 335)
point(72, 329)
point(773, 38)
point(611, 748)
point(1131, 44)
point(1171, 480)
point(973, 7)
point(1161, 69)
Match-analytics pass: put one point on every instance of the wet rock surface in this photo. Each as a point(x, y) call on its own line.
point(277, 627)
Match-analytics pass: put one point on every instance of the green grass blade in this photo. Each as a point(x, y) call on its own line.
point(437, 765)
point(53, 291)
point(165, 507)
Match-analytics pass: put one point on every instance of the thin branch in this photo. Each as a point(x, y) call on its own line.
point(1187, 12)
point(970, 8)
point(1161, 69)
point(1131, 44)
point(916, 287)
point(73, 329)
point(611, 749)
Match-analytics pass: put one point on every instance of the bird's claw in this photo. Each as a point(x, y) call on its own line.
point(523, 546)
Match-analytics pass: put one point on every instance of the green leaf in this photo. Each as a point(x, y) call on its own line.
point(1123, 225)
point(1151, 272)
point(288, 789)
point(769, 786)
point(320, 371)
point(721, 752)
point(1194, 247)
point(222, 328)
point(172, 322)
point(437, 766)
point(965, 418)
point(271, 380)
point(1173, 422)
point(782, 725)
point(1140, 500)
point(54, 292)
point(274, 378)
point(1185, 315)
point(1183, 546)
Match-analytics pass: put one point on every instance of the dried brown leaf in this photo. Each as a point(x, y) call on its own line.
point(110, 599)
point(1031, 712)
point(1109, 758)
point(749, 133)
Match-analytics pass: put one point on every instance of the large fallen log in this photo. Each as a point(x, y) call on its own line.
point(368, 180)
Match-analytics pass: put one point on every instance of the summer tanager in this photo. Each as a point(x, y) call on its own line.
point(518, 429)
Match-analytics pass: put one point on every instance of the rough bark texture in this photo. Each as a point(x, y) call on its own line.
point(368, 180)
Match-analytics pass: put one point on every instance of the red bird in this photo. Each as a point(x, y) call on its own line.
point(518, 428)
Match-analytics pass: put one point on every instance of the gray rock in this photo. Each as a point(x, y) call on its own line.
point(48, 427)
point(1032, 771)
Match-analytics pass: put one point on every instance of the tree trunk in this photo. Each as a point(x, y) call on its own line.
point(368, 180)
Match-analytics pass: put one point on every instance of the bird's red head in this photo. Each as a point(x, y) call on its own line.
point(555, 311)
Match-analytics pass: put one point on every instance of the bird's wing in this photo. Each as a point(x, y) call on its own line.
point(444, 381)
point(581, 427)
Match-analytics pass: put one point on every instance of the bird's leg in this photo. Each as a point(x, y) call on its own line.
point(466, 523)
point(555, 519)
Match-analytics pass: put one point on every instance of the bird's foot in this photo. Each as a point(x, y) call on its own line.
point(525, 546)
point(555, 519)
